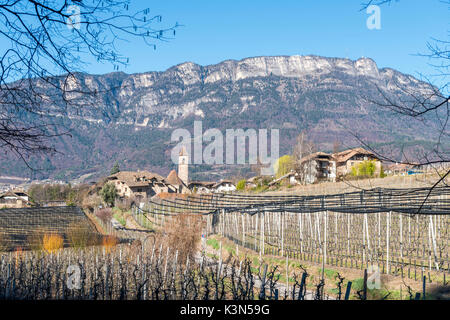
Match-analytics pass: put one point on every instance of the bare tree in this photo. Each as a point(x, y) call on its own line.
point(303, 146)
point(44, 44)
point(305, 168)
point(425, 105)
point(336, 146)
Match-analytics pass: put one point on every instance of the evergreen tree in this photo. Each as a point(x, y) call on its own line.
point(115, 169)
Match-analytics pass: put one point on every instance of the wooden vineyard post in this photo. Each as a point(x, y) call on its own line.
point(256, 230)
point(336, 214)
point(429, 246)
point(311, 242)
point(287, 274)
point(409, 232)
point(379, 230)
point(300, 226)
point(433, 238)
point(364, 258)
point(388, 222)
point(424, 284)
point(401, 236)
point(223, 222)
point(282, 233)
point(261, 245)
point(348, 234)
point(365, 285)
point(319, 241)
point(243, 229)
point(348, 290)
point(369, 256)
point(325, 238)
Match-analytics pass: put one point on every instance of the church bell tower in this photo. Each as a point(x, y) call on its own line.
point(183, 166)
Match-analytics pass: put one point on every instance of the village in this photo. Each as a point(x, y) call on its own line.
point(141, 185)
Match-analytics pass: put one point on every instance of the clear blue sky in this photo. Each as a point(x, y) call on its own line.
point(218, 30)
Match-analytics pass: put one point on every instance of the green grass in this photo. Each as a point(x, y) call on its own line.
point(329, 273)
point(120, 218)
point(358, 284)
point(213, 243)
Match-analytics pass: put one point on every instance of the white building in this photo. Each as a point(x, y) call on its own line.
point(224, 186)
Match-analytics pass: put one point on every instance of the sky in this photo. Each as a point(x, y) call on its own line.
point(214, 31)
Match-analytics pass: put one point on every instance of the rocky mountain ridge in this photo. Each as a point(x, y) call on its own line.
point(134, 114)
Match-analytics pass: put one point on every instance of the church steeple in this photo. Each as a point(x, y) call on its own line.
point(183, 166)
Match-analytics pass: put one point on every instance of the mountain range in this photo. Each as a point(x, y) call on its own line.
point(135, 114)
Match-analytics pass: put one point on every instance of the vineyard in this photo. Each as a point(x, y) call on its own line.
point(402, 232)
point(150, 271)
point(22, 228)
point(395, 230)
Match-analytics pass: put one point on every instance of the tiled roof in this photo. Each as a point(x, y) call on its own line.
point(18, 194)
point(171, 196)
point(173, 178)
point(133, 178)
point(347, 154)
point(316, 155)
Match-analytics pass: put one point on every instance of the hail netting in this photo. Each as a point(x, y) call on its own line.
point(398, 230)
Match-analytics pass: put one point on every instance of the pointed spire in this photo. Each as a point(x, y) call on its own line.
point(183, 151)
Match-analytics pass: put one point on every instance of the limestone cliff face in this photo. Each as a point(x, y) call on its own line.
point(160, 99)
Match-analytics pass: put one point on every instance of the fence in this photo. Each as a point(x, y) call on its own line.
point(402, 231)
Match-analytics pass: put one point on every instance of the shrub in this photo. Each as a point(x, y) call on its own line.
point(109, 242)
point(367, 168)
point(364, 169)
point(240, 185)
point(108, 194)
point(284, 165)
point(266, 181)
point(91, 202)
point(35, 240)
point(184, 234)
point(52, 242)
point(125, 204)
point(104, 215)
point(382, 174)
point(80, 235)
